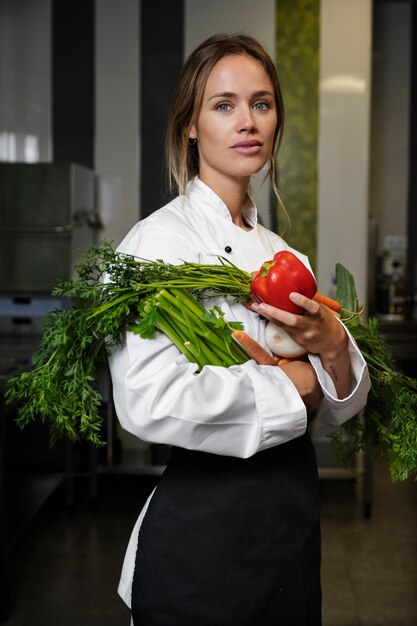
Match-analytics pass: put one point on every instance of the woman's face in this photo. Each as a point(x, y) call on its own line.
point(236, 125)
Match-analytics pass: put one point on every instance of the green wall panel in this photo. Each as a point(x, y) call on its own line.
point(297, 59)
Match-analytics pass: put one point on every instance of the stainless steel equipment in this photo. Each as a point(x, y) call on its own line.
point(47, 220)
point(391, 286)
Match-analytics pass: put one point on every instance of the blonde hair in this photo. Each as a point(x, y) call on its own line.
point(182, 157)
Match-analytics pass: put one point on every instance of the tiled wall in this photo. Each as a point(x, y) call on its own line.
point(26, 112)
point(344, 140)
point(297, 58)
point(161, 54)
point(390, 118)
point(25, 86)
point(117, 134)
point(73, 72)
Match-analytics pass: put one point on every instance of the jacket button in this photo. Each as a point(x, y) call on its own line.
point(228, 249)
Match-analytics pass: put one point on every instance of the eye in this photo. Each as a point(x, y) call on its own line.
point(262, 106)
point(223, 107)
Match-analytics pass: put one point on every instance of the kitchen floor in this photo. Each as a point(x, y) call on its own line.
point(65, 569)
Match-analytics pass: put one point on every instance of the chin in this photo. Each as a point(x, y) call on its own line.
point(251, 170)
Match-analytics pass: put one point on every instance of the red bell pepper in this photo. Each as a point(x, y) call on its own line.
point(281, 276)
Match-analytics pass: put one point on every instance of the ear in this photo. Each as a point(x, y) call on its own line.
point(193, 132)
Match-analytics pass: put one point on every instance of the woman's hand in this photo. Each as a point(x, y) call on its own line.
point(304, 379)
point(318, 332)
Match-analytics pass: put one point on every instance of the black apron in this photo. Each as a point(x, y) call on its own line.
point(232, 542)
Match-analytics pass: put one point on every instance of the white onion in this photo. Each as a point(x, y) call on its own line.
point(281, 343)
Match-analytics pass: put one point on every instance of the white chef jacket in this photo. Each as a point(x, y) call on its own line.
point(237, 411)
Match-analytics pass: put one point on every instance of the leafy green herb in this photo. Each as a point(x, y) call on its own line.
point(389, 420)
point(112, 294)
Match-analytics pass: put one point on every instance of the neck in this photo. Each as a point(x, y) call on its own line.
point(234, 193)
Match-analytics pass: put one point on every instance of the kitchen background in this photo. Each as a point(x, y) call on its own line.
point(84, 90)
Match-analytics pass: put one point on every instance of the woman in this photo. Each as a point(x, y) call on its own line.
point(231, 534)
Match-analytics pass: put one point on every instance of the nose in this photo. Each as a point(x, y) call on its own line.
point(246, 120)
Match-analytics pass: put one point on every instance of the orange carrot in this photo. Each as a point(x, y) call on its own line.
point(335, 313)
point(253, 349)
point(332, 304)
point(282, 360)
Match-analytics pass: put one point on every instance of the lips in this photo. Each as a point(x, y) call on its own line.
point(248, 147)
point(248, 144)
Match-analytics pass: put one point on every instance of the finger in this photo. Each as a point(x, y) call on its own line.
point(310, 306)
point(274, 314)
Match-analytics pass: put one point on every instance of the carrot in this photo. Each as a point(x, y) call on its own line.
point(335, 313)
point(332, 304)
point(282, 360)
point(253, 349)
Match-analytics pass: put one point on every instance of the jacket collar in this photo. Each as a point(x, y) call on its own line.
point(210, 202)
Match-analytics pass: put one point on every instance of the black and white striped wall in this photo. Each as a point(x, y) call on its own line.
point(90, 81)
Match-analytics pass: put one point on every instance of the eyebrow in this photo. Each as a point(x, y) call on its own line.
point(230, 94)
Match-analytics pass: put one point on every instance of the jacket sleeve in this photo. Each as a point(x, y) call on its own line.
point(333, 410)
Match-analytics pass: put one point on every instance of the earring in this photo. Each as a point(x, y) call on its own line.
point(192, 141)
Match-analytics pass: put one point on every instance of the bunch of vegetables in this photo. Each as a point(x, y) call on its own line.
point(115, 293)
